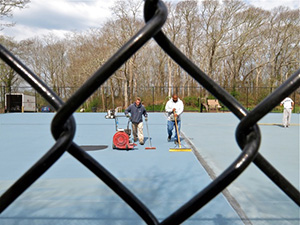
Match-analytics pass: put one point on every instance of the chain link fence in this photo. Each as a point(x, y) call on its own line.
point(63, 126)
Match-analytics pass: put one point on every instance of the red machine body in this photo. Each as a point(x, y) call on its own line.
point(121, 141)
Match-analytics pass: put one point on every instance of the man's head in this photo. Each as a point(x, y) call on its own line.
point(175, 97)
point(138, 101)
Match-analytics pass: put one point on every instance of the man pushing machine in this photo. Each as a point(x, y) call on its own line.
point(137, 110)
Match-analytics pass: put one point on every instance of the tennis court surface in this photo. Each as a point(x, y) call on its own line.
point(68, 193)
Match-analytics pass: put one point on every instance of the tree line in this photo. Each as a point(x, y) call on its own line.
point(236, 44)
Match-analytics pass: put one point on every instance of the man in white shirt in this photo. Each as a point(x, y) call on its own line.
point(288, 104)
point(174, 108)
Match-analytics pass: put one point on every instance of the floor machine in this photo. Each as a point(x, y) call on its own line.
point(121, 139)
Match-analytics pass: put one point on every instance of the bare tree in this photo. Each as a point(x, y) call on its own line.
point(128, 22)
point(217, 22)
point(86, 52)
point(8, 77)
point(47, 57)
point(172, 29)
point(235, 44)
point(190, 33)
point(283, 38)
point(245, 42)
point(6, 10)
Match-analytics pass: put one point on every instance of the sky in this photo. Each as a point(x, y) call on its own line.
point(59, 17)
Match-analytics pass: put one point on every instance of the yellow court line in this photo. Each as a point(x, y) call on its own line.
point(180, 150)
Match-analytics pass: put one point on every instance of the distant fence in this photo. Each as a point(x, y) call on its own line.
point(154, 98)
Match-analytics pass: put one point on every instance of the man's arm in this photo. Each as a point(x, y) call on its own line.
point(168, 107)
point(145, 112)
point(127, 110)
point(180, 108)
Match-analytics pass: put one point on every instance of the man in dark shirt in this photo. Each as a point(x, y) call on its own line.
point(137, 110)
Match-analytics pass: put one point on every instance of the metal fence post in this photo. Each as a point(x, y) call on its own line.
point(153, 98)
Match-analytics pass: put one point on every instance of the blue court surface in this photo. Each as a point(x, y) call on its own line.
point(68, 193)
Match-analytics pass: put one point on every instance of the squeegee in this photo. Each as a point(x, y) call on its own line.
point(179, 149)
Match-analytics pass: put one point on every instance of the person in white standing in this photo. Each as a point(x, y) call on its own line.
point(288, 104)
point(174, 108)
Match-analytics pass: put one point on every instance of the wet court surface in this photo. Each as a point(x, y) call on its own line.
point(68, 193)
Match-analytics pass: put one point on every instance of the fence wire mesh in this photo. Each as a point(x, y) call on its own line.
point(153, 98)
point(63, 125)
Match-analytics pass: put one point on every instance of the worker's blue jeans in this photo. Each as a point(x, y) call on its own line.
point(171, 126)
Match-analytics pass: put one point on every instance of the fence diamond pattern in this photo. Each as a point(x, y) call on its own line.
point(63, 125)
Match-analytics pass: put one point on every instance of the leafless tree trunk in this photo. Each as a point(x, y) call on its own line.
point(6, 10)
